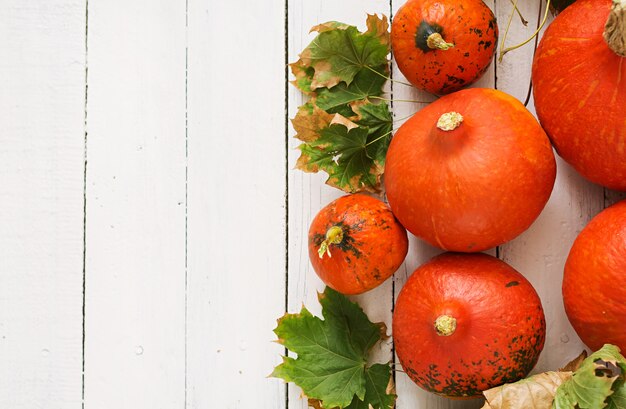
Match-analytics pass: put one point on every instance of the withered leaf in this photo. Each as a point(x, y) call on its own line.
point(598, 382)
point(535, 392)
point(378, 27)
point(309, 121)
point(575, 363)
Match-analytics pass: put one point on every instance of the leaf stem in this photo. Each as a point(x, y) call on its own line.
point(379, 138)
point(543, 22)
point(388, 78)
point(398, 100)
point(403, 118)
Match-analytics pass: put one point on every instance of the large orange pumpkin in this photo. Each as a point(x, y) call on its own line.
point(594, 282)
point(580, 89)
point(464, 323)
point(356, 243)
point(443, 45)
point(470, 171)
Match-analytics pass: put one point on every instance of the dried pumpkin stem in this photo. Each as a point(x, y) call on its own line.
point(436, 41)
point(615, 28)
point(449, 121)
point(536, 33)
point(445, 325)
point(334, 235)
point(519, 13)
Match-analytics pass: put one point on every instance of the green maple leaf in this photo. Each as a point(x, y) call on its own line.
point(339, 52)
point(343, 154)
point(376, 389)
point(345, 134)
point(366, 83)
point(352, 153)
point(597, 384)
point(618, 399)
point(331, 367)
point(377, 119)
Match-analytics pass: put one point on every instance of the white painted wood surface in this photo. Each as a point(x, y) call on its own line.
point(193, 225)
point(136, 207)
point(236, 201)
point(42, 105)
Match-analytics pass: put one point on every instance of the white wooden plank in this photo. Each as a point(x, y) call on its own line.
point(135, 267)
point(42, 88)
point(409, 394)
point(513, 71)
point(236, 203)
point(541, 251)
point(307, 192)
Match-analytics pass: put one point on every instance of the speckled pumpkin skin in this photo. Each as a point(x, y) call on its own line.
point(579, 87)
point(374, 244)
point(468, 24)
point(594, 280)
point(500, 325)
point(474, 187)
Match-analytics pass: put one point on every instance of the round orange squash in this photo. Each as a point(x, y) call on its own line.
point(470, 171)
point(594, 280)
point(443, 45)
point(464, 323)
point(579, 80)
point(356, 243)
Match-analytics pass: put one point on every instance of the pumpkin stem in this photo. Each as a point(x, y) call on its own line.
point(436, 41)
point(334, 235)
point(449, 121)
point(445, 325)
point(615, 28)
point(535, 34)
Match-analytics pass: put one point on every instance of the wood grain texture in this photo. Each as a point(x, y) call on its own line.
point(42, 90)
point(236, 203)
point(540, 252)
point(135, 244)
point(308, 193)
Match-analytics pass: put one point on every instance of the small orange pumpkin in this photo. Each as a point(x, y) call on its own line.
point(356, 243)
point(443, 45)
point(464, 323)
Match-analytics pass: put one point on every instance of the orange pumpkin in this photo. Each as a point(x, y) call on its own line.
point(579, 82)
point(464, 323)
point(443, 45)
point(470, 171)
point(356, 243)
point(593, 282)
